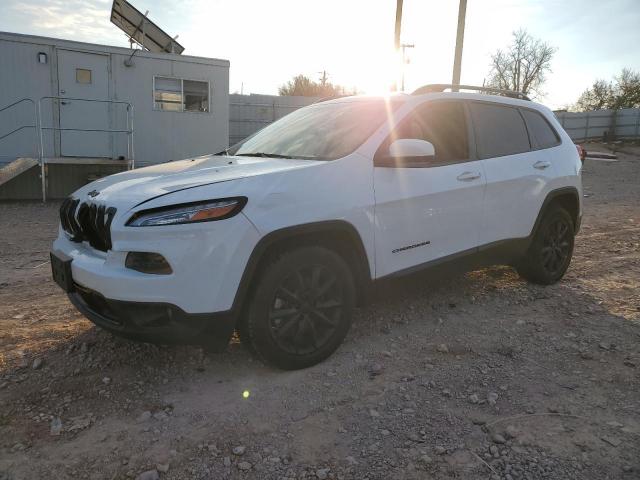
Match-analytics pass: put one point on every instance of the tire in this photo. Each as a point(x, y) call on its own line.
point(549, 254)
point(301, 308)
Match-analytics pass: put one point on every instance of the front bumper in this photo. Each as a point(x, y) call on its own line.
point(154, 322)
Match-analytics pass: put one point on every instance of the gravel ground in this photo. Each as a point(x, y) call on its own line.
point(479, 375)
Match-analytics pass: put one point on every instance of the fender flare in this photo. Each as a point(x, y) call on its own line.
point(362, 275)
point(551, 196)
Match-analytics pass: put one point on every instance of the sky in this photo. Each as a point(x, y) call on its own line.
point(269, 42)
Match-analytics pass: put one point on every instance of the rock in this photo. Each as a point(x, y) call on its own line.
point(351, 461)
point(239, 450)
point(375, 369)
point(426, 459)
point(163, 467)
point(374, 413)
point(615, 424)
point(442, 348)
point(161, 415)
point(497, 438)
point(149, 475)
point(56, 427)
point(511, 431)
point(322, 473)
point(494, 450)
point(37, 363)
point(244, 466)
point(385, 432)
point(144, 416)
point(387, 353)
point(614, 442)
point(473, 398)
point(440, 450)
point(84, 348)
point(106, 380)
point(226, 461)
point(492, 398)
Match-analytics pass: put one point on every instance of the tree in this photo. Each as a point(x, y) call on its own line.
point(599, 96)
point(622, 92)
point(523, 66)
point(304, 86)
point(627, 89)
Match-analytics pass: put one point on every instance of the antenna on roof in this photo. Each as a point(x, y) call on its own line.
point(141, 30)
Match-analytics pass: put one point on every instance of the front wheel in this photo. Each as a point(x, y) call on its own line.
point(549, 254)
point(301, 308)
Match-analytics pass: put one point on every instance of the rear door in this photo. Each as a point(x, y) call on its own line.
point(517, 171)
point(429, 212)
point(85, 76)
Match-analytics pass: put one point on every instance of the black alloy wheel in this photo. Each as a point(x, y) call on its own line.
point(556, 246)
point(549, 254)
point(306, 309)
point(300, 309)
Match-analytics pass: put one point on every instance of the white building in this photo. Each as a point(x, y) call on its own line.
point(180, 108)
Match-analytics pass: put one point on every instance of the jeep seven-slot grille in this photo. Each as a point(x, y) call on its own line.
point(87, 222)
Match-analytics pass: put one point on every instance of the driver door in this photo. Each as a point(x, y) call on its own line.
point(433, 210)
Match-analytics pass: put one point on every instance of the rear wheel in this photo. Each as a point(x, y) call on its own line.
point(549, 254)
point(300, 309)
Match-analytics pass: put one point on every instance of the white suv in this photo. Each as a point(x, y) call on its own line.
point(279, 237)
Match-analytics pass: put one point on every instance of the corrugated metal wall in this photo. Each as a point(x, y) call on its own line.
point(624, 123)
point(250, 113)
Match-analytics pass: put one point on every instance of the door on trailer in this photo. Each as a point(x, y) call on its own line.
point(86, 76)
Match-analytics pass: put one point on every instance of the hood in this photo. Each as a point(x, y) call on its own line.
point(136, 186)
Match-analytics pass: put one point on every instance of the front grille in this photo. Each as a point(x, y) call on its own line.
point(87, 222)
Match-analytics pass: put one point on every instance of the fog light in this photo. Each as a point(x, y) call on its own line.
point(147, 262)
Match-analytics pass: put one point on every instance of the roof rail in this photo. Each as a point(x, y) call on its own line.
point(441, 87)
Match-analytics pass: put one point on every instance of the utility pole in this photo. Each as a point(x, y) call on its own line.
point(396, 39)
point(324, 78)
point(457, 59)
point(404, 60)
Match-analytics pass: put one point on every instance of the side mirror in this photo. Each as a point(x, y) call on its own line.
point(407, 153)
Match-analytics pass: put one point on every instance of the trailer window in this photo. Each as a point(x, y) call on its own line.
point(180, 95)
point(83, 75)
point(196, 96)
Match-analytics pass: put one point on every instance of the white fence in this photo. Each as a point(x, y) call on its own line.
point(597, 124)
point(250, 113)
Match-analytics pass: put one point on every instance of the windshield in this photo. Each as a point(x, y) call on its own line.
point(323, 131)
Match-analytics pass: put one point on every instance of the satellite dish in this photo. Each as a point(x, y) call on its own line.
point(141, 30)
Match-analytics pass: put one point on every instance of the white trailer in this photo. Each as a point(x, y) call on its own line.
point(102, 107)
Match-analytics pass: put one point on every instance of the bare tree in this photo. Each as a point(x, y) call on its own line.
point(523, 66)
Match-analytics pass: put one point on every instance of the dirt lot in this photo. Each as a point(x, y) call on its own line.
point(477, 376)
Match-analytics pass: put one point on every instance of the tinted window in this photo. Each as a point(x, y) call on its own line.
point(441, 123)
point(499, 130)
point(542, 135)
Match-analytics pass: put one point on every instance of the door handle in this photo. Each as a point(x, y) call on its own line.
point(64, 103)
point(468, 176)
point(541, 165)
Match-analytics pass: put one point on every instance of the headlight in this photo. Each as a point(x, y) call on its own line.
point(205, 211)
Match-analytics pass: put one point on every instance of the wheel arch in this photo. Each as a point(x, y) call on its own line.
point(337, 235)
point(568, 198)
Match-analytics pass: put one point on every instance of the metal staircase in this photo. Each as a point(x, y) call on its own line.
point(23, 164)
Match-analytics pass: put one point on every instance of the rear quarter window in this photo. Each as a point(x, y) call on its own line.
point(500, 130)
point(542, 133)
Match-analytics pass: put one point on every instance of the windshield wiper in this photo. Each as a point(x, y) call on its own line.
point(263, 155)
point(277, 155)
point(224, 152)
